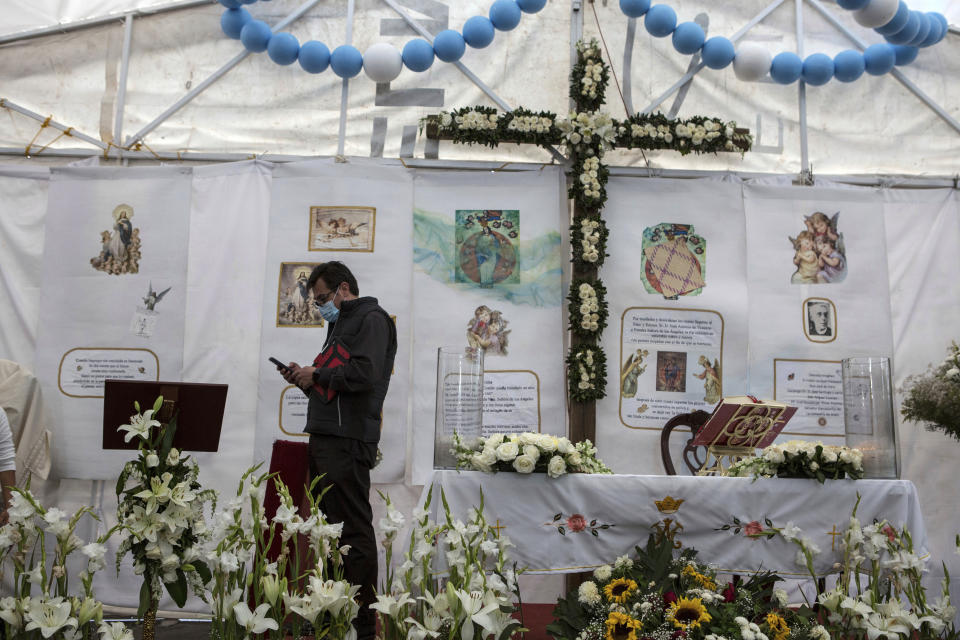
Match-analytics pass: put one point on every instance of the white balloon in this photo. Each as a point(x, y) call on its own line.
point(382, 62)
point(877, 13)
point(752, 61)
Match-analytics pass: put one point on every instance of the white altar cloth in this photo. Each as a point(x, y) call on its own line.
point(525, 507)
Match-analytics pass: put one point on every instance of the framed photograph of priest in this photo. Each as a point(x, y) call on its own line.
point(819, 320)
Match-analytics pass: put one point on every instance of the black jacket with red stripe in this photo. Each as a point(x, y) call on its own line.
point(360, 384)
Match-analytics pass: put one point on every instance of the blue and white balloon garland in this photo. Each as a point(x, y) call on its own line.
point(905, 31)
point(382, 62)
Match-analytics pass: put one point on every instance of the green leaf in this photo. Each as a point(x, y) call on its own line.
point(146, 599)
point(178, 589)
point(203, 570)
point(122, 479)
point(167, 442)
point(595, 533)
point(768, 522)
point(593, 523)
point(557, 517)
point(562, 531)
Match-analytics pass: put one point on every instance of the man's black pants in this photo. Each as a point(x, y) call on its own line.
point(345, 464)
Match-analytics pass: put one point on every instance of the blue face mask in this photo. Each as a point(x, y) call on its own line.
point(329, 311)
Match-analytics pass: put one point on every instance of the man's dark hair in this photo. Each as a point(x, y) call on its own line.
point(333, 273)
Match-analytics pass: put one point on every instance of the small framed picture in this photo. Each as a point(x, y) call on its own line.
point(819, 320)
point(342, 228)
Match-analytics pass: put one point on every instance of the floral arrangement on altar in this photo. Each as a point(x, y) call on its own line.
point(41, 603)
point(588, 308)
point(662, 597)
point(528, 453)
point(934, 398)
point(160, 515)
point(586, 373)
point(472, 601)
point(802, 459)
point(304, 585)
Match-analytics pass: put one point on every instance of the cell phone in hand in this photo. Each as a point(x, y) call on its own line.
point(279, 364)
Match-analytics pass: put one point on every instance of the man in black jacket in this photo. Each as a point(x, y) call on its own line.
point(346, 388)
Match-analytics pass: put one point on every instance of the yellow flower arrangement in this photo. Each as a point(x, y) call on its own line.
point(688, 613)
point(704, 581)
point(620, 626)
point(778, 626)
point(620, 590)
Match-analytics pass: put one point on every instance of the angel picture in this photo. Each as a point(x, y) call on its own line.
point(153, 297)
point(820, 255)
point(632, 369)
point(712, 386)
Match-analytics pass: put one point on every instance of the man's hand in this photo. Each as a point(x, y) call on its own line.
point(303, 377)
point(290, 374)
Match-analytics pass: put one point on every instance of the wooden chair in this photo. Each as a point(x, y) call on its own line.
point(693, 456)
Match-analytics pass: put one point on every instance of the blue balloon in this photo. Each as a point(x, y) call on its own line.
point(817, 69)
point(231, 4)
point(256, 35)
point(314, 57)
point(688, 37)
point(505, 14)
point(283, 48)
point(634, 8)
point(936, 33)
point(853, 5)
point(418, 55)
point(899, 21)
point(905, 54)
point(717, 52)
point(661, 20)
point(449, 45)
point(879, 58)
point(478, 32)
point(944, 25)
point(848, 65)
point(925, 25)
point(531, 6)
point(908, 32)
point(346, 61)
point(786, 67)
point(233, 20)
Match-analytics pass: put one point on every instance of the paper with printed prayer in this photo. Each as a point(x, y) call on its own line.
point(113, 303)
point(578, 522)
point(488, 264)
point(676, 338)
point(359, 214)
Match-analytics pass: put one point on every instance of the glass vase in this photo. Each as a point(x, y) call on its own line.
point(459, 401)
point(868, 415)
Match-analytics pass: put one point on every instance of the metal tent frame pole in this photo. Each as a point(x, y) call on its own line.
point(50, 122)
point(805, 174)
point(122, 84)
point(216, 75)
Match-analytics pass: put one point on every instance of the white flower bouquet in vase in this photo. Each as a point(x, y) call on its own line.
point(528, 453)
point(160, 515)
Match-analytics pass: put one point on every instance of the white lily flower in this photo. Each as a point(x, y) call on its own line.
point(115, 631)
point(139, 426)
point(49, 615)
point(255, 621)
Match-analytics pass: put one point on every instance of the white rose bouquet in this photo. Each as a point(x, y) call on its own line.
point(160, 515)
point(588, 307)
point(528, 453)
point(802, 459)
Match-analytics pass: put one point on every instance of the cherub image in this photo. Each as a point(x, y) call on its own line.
point(833, 266)
point(821, 226)
point(806, 259)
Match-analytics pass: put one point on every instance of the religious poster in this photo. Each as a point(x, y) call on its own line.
point(676, 288)
point(295, 307)
point(484, 246)
point(819, 290)
point(114, 282)
point(488, 264)
point(347, 207)
point(342, 228)
point(671, 363)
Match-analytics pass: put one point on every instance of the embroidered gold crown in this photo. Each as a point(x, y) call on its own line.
point(668, 504)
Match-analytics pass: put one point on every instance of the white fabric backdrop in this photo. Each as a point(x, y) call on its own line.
point(532, 307)
point(84, 308)
point(222, 333)
point(383, 274)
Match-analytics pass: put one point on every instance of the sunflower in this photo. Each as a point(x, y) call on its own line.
point(620, 626)
point(778, 626)
point(688, 613)
point(620, 590)
point(704, 581)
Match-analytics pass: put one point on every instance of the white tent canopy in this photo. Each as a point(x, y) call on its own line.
point(116, 93)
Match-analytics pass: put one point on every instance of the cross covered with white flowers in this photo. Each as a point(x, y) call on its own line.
point(587, 134)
